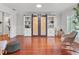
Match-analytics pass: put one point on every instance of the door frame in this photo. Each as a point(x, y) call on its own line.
point(32, 26)
point(46, 25)
point(39, 26)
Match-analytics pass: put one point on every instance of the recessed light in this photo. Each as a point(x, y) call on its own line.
point(38, 5)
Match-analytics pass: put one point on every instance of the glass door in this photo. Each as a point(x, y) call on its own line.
point(39, 25)
point(35, 25)
point(43, 27)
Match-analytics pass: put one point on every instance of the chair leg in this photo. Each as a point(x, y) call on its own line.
point(1, 52)
point(5, 51)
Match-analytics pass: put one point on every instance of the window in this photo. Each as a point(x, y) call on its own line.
point(72, 24)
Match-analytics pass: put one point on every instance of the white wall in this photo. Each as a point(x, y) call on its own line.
point(20, 24)
point(58, 21)
point(64, 15)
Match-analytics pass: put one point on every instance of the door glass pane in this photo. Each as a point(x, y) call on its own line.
point(43, 25)
point(35, 25)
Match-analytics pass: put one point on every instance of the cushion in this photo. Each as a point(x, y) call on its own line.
point(12, 46)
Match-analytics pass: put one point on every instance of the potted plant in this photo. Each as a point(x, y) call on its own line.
point(76, 16)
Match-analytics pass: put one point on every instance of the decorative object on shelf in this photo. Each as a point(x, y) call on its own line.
point(0, 22)
point(51, 26)
point(52, 22)
point(27, 22)
point(27, 18)
point(27, 26)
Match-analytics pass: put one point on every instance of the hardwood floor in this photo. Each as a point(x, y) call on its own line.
point(40, 46)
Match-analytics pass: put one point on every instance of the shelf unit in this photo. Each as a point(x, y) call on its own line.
point(27, 26)
point(50, 26)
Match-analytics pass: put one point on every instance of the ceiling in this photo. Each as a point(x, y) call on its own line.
point(46, 7)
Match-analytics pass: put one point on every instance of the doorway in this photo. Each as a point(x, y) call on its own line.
point(39, 25)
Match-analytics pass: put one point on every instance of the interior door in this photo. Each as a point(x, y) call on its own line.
point(35, 25)
point(39, 25)
point(43, 26)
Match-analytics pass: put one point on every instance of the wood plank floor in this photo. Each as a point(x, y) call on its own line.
point(40, 46)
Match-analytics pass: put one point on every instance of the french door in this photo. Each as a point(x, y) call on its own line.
point(39, 26)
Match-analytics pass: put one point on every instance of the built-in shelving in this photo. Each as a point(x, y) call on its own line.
point(27, 25)
point(50, 26)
